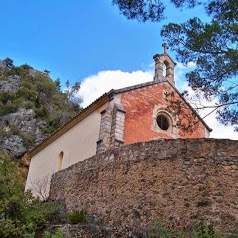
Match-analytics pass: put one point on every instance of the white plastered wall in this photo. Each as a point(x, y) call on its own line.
point(77, 144)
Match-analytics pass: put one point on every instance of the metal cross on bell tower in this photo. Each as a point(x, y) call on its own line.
point(166, 47)
point(164, 66)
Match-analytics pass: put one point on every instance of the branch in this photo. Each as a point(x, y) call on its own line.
point(200, 51)
point(39, 187)
point(217, 106)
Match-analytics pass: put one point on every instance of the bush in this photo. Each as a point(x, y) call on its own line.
point(26, 93)
point(28, 105)
point(204, 230)
point(5, 97)
point(76, 217)
point(8, 103)
point(233, 234)
point(21, 216)
point(7, 109)
point(3, 132)
point(9, 62)
point(16, 71)
point(57, 234)
point(26, 66)
point(158, 230)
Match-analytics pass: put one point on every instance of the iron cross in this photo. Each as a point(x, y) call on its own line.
point(165, 47)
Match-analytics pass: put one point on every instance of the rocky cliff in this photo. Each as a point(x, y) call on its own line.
point(31, 107)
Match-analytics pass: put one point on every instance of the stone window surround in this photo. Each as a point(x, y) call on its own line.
point(172, 130)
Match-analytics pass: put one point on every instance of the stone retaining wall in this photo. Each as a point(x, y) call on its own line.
point(174, 182)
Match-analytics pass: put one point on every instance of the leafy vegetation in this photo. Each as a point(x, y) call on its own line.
point(36, 88)
point(212, 45)
point(21, 215)
point(57, 234)
point(76, 217)
point(202, 230)
point(24, 88)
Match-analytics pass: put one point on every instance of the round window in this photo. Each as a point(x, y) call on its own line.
point(163, 122)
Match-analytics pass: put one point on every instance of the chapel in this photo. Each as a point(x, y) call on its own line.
point(119, 117)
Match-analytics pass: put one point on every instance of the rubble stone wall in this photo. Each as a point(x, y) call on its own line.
point(174, 182)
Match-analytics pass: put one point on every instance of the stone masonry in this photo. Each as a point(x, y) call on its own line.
point(111, 133)
point(176, 182)
point(118, 121)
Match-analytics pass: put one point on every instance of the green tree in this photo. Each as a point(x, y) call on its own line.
point(72, 91)
point(212, 45)
point(58, 83)
point(21, 215)
point(9, 62)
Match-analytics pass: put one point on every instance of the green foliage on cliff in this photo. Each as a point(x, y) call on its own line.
point(36, 90)
point(32, 105)
point(21, 216)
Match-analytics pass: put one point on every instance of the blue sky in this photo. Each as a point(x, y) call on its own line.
point(74, 39)
point(89, 41)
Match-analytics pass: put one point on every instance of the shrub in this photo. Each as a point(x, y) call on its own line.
point(7, 109)
point(9, 62)
point(21, 216)
point(158, 230)
point(28, 105)
point(5, 97)
point(3, 132)
point(26, 66)
point(57, 234)
point(41, 112)
point(8, 103)
point(234, 233)
point(26, 93)
point(76, 217)
point(204, 230)
point(16, 71)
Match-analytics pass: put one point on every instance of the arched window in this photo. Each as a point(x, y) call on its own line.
point(60, 161)
point(164, 69)
point(163, 122)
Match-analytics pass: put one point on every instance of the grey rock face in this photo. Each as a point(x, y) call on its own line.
point(3, 64)
point(32, 72)
point(13, 145)
point(23, 118)
point(28, 116)
point(26, 126)
point(12, 84)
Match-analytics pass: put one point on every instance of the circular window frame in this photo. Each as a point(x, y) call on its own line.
point(163, 122)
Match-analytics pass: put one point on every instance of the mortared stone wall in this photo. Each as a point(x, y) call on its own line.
point(176, 182)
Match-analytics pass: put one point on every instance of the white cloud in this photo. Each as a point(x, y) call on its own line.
point(94, 86)
point(220, 130)
point(189, 65)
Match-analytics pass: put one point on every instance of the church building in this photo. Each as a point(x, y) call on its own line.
point(133, 114)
